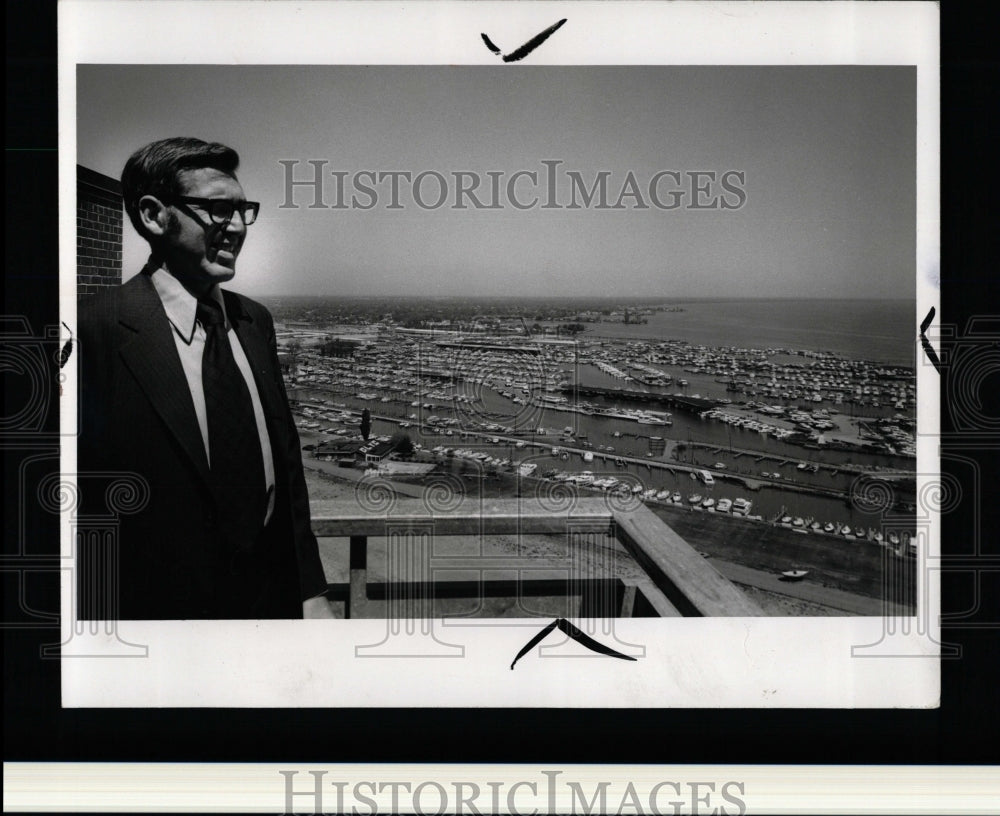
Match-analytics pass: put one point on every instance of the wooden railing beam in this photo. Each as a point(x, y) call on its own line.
point(680, 572)
point(357, 598)
point(680, 580)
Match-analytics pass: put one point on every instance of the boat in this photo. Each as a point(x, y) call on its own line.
point(794, 575)
point(724, 506)
point(694, 498)
point(741, 507)
point(786, 519)
point(676, 498)
point(663, 495)
point(709, 503)
point(706, 477)
point(798, 522)
point(829, 528)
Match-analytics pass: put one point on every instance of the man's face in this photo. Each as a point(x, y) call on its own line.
point(199, 252)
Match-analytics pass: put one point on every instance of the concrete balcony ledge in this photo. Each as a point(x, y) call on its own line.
point(676, 581)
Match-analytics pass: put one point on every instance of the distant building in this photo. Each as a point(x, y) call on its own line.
point(338, 448)
point(340, 347)
point(380, 452)
point(285, 361)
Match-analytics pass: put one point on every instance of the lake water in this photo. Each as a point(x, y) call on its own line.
point(882, 330)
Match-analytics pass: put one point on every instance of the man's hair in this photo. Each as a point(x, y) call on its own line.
point(155, 169)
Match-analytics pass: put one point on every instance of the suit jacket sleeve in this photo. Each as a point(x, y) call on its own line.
point(312, 578)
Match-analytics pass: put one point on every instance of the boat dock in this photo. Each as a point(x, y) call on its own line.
point(781, 460)
point(694, 404)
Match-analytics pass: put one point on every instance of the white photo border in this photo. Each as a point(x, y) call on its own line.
point(753, 663)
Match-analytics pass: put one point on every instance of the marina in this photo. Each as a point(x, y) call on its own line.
point(779, 438)
point(491, 450)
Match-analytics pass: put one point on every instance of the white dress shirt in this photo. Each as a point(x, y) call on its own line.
point(189, 337)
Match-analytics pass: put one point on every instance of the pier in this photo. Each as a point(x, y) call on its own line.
point(619, 460)
point(781, 460)
point(694, 404)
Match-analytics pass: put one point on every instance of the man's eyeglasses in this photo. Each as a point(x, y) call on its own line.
point(221, 209)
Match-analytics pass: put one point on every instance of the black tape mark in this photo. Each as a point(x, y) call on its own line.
point(928, 348)
point(569, 629)
point(528, 47)
point(67, 349)
point(489, 44)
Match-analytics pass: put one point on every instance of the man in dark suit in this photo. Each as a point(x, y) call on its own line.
point(180, 385)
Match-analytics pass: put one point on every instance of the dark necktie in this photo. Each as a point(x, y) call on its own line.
point(237, 467)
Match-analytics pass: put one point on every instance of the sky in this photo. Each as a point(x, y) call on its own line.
point(827, 155)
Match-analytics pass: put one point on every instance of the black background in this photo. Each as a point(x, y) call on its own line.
point(35, 728)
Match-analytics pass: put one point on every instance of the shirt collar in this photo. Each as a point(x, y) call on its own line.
point(180, 305)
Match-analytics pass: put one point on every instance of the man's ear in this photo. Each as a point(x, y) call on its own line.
point(153, 215)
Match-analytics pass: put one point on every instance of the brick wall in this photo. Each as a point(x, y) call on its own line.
point(98, 231)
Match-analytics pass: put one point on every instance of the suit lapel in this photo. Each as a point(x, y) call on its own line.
point(151, 355)
point(258, 355)
point(267, 377)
